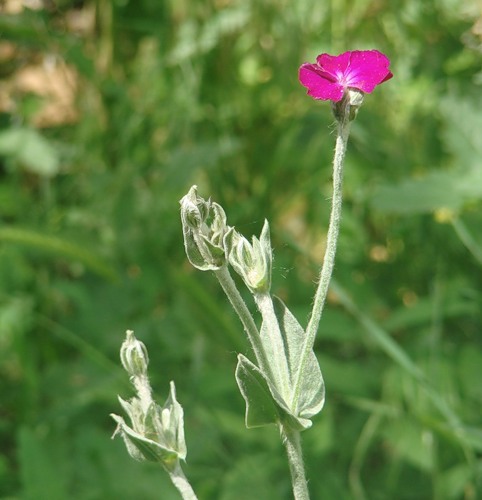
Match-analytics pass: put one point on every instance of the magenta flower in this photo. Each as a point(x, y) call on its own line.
point(330, 76)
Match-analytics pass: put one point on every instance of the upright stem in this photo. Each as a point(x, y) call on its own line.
point(229, 287)
point(181, 483)
point(332, 238)
point(333, 229)
point(292, 441)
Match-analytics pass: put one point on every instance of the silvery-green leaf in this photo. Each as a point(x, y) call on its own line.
point(312, 389)
point(260, 407)
point(142, 448)
point(309, 397)
point(193, 253)
point(176, 422)
point(264, 405)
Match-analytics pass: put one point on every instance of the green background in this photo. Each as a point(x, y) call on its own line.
point(109, 112)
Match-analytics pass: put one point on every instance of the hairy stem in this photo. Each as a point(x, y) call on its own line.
point(181, 483)
point(332, 238)
point(229, 287)
point(292, 441)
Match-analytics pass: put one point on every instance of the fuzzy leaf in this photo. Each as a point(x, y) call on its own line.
point(193, 253)
point(312, 389)
point(311, 392)
point(141, 448)
point(260, 407)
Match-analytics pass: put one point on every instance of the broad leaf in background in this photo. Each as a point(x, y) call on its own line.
point(60, 247)
point(448, 188)
point(28, 149)
point(437, 190)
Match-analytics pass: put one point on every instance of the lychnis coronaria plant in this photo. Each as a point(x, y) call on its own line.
point(281, 382)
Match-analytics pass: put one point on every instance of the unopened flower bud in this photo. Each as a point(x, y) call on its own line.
point(191, 214)
point(155, 433)
point(252, 261)
point(134, 356)
point(204, 226)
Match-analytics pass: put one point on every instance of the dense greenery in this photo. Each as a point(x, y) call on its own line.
point(110, 111)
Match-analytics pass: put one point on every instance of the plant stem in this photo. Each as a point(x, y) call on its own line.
point(333, 230)
point(181, 483)
point(229, 287)
point(292, 441)
point(343, 132)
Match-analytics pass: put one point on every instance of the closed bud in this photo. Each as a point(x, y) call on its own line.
point(204, 226)
point(134, 356)
point(252, 261)
point(155, 433)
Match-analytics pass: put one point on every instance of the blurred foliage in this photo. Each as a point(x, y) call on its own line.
point(110, 111)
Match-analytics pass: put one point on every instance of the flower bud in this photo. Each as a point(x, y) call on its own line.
point(134, 356)
point(251, 261)
point(204, 226)
point(156, 434)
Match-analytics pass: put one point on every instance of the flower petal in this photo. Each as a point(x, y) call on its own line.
point(367, 69)
point(320, 85)
point(335, 65)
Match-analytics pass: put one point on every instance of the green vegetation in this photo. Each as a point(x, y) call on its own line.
point(109, 112)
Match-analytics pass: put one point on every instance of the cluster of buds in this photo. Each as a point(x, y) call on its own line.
point(210, 243)
point(156, 432)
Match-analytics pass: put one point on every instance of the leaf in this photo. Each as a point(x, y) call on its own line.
point(141, 448)
point(193, 253)
point(176, 425)
point(58, 246)
point(406, 440)
point(31, 150)
point(194, 41)
point(260, 407)
point(311, 389)
point(462, 137)
point(437, 190)
point(456, 480)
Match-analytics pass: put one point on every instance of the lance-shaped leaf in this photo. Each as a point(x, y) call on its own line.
point(260, 407)
point(141, 448)
point(264, 405)
point(306, 382)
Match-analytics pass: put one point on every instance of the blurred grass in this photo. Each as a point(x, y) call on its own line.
point(109, 111)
